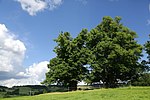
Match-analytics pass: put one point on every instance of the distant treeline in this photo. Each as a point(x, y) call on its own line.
point(29, 90)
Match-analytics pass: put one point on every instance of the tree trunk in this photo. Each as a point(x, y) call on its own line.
point(109, 82)
point(72, 86)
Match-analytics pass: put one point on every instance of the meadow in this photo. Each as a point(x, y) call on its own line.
point(127, 93)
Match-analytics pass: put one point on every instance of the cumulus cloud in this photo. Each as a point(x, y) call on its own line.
point(12, 53)
point(9, 75)
point(12, 50)
point(36, 71)
point(52, 4)
point(35, 6)
point(33, 75)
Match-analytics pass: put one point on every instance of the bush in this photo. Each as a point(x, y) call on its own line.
point(4, 95)
point(143, 80)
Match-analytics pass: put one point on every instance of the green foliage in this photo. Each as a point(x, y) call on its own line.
point(23, 90)
point(146, 63)
point(115, 53)
point(108, 53)
point(143, 80)
point(147, 49)
point(8, 92)
point(3, 95)
point(67, 68)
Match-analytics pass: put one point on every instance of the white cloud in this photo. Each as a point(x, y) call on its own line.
point(52, 4)
point(18, 82)
point(12, 53)
point(33, 75)
point(35, 6)
point(36, 71)
point(32, 6)
point(12, 50)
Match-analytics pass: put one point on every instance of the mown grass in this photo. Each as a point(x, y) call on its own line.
point(128, 93)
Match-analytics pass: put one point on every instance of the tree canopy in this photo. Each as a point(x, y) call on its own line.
point(115, 52)
point(67, 68)
point(109, 52)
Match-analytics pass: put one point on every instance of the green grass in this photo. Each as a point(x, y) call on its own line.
point(128, 93)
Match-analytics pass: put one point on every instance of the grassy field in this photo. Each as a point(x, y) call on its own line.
point(128, 93)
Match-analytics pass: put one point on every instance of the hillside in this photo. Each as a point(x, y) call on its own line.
point(129, 93)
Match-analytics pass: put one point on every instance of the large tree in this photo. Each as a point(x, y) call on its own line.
point(108, 53)
point(67, 68)
point(115, 52)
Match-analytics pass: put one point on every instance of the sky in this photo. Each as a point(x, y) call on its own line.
point(28, 28)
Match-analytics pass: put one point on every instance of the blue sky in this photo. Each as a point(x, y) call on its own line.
point(33, 25)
